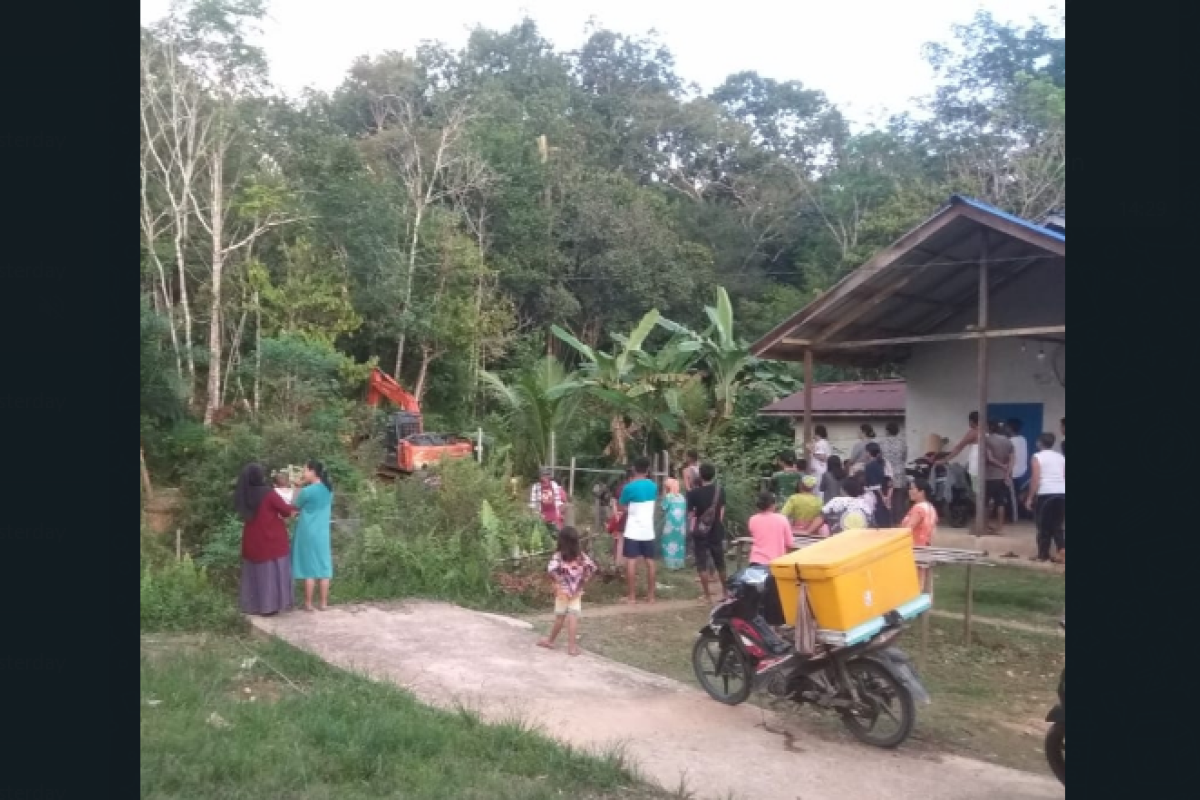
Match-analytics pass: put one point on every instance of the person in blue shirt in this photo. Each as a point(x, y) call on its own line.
point(637, 502)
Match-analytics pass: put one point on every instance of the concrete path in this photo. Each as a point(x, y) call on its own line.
point(449, 656)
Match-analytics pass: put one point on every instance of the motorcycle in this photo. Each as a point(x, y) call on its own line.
point(1056, 737)
point(868, 683)
point(953, 501)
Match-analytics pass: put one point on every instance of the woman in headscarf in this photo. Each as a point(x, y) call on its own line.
point(266, 586)
point(311, 550)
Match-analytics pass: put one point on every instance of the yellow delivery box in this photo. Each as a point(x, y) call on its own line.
point(852, 577)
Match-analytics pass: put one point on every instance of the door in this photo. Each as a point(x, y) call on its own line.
point(1030, 416)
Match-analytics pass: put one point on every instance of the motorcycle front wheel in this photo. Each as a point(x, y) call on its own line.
point(722, 670)
point(888, 712)
point(1056, 751)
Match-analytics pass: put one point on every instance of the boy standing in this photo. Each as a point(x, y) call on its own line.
point(637, 502)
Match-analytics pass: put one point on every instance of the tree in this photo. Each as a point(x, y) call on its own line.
point(1000, 113)
point(540, 401)
point(612, 378)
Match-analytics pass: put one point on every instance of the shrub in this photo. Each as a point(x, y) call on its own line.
point(179, 597)
point(442, 542)
point(221, 555)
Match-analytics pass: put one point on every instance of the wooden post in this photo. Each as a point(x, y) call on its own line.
point(178, 544)
point(808, 395)
point(479, 445)
point(969, 607)
point(927, 588)
point(571, 493)
point(982, 400)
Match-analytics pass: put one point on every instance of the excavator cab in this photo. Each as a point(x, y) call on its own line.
point(401, 425)
point(407, 446)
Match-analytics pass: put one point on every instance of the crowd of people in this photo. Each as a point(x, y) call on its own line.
point(271, 561)
point(1013, 480)
point(819, 494)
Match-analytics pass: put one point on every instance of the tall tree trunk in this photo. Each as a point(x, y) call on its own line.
point(617, 427)
point(427, 356)
point(408, 282)
point(233, 353)
point(185, 307)
point(257, 350)
point(172, 325)
point(217, 229)
point(146, 477)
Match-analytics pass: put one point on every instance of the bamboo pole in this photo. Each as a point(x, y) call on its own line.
point(552, 447)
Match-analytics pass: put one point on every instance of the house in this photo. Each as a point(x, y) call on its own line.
point(972, 302)
point(842, 408)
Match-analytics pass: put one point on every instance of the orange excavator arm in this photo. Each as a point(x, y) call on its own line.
point(382, 385)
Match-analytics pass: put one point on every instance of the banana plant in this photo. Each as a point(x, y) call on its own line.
point(725, 357)
point(615, 378)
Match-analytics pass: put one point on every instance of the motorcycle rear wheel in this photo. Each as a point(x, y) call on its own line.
point(886, 697)
point(1056, 751)
point(722, 671)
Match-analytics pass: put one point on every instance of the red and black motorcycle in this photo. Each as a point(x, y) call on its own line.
point(870, 683)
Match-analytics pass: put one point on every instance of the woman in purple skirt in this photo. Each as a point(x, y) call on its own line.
point(266, 586)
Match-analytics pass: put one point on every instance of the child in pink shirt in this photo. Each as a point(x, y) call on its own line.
point(771, 531)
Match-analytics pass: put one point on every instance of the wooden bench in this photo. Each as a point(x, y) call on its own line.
point(926, 558)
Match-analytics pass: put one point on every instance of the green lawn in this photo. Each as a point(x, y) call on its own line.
point(220, 720)
point(1020, 594)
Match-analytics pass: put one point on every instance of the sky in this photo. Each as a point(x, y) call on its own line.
point(864, 54)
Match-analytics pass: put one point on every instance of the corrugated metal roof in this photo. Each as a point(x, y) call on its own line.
point(1033, 226)
point(867, 397)
point(922, 284)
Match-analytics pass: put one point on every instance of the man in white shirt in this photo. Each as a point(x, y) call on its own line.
point(1048, 498)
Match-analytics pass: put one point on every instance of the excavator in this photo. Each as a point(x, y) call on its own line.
point(408, 448)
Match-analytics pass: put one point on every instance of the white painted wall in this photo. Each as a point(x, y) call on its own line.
point(942, 386)
point(843, 431)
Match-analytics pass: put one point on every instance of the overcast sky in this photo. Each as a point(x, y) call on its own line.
point(864, 54)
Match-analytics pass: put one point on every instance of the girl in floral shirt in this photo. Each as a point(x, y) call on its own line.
point(570, 568)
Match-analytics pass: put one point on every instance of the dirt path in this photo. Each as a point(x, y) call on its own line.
point(673, 733)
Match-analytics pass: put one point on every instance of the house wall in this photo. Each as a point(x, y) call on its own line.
point(942, 385)
point(843, 431)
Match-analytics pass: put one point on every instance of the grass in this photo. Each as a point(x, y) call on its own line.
point(1019, 594)
point(220, 720)
point(989, 699)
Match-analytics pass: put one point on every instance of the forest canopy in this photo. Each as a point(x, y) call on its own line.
point(443, 212)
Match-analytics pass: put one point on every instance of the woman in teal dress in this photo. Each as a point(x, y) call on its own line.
point(674, 531)
point(312, 559)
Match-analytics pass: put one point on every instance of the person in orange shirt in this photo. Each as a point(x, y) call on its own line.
point(921, 519)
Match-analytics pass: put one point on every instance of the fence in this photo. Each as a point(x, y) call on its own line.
point(660, 470)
